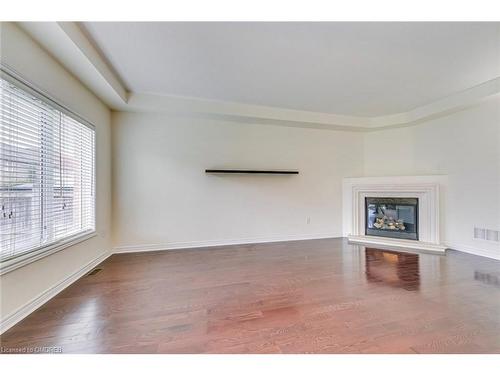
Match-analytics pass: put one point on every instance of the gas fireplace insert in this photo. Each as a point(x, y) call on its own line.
point(392, 217)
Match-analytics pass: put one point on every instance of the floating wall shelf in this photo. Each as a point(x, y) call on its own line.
point(248, 171)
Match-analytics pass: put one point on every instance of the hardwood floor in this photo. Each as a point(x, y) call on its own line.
point(316, 296)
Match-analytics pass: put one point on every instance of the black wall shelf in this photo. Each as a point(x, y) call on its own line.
point(248, 171)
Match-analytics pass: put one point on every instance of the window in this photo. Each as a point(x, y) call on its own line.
point(47, 174)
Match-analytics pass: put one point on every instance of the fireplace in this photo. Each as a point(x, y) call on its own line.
point(392, 217)
point(418, 198)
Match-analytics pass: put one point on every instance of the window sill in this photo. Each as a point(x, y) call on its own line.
point(23, 260)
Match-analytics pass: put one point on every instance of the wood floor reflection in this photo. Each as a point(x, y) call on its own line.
point(316, 296)
point(392, 268)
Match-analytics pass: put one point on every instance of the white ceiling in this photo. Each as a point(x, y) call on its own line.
point(356, 69)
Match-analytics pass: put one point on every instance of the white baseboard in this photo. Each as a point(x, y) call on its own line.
point(212, 243)
point(50, 293)
point(473, 250)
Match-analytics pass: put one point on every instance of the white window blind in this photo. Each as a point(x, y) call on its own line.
point(46, 174)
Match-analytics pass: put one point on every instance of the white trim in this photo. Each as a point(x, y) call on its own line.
point(472, 250)
point(32, 256)
point(212, 243)
point(48, 294)
point(399, 243)
point(69, 44)
point(251, 113)
point(426, 188)
point(439, 108)
point(73, 47)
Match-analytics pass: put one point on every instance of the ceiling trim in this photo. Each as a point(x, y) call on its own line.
point(441, 107)
point(71, 46)
point(139, 102)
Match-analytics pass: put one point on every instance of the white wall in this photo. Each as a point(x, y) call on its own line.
point(177, 205)
point(466, 147)
point(163, 198)
point(22, 285)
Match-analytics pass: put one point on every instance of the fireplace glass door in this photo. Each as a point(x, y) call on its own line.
point(392, 217)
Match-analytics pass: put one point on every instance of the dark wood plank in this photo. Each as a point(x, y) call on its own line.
point(317, 296)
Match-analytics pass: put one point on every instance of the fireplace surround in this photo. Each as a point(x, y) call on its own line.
point(428, 190)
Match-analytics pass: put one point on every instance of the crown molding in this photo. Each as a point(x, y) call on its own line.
point(71, 46)
point(140, 102)
point(441, 107)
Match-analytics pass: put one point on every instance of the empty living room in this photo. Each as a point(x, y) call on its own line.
point(249, 186)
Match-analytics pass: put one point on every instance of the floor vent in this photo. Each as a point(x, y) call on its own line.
point(486, 234)
point(94, 271)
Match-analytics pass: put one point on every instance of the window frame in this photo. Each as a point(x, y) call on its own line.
point(10, 75)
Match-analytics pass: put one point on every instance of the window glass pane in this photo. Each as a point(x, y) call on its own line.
point(46, 174)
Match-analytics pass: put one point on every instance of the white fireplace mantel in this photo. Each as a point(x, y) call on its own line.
point(428, 190)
